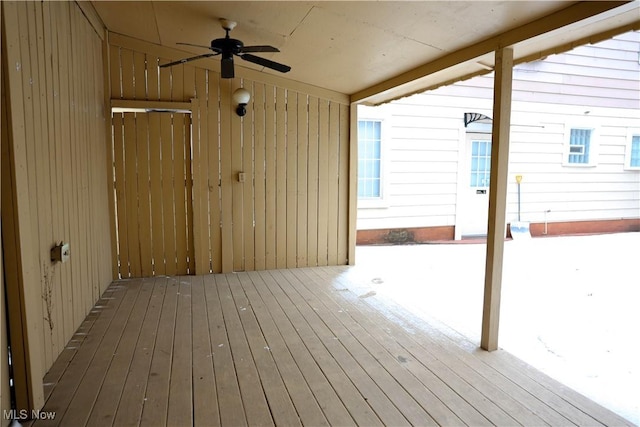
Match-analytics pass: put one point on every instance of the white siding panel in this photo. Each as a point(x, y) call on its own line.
point(405, 222)
point(574, 90)
point(424, 177)
point(582, 81)
point(425, 200)
point(437, 188)
point(422, 166)
point(425, 134)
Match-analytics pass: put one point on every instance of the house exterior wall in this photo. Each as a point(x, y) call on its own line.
point(591, 86)
point(292, 145)
point(53, 177)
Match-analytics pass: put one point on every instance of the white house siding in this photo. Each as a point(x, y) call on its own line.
point(424, 136)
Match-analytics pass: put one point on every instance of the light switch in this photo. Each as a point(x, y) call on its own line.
point(242, 176)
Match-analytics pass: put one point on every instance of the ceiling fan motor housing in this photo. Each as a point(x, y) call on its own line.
point(227, 45)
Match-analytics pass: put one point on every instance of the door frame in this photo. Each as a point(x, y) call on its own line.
point(144, 106)
point(474, 123)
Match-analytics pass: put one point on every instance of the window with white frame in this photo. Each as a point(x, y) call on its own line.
point(579, 146)
point(369, 159)
point(632, 160)
point(480, 163)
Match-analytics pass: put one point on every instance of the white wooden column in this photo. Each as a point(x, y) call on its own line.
point(497, 197)
point(353, 184)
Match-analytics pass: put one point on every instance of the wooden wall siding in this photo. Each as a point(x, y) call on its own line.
point(425, 133)
point(292, 209)
point(57, 107)
point(5, 399)
point(153, 185)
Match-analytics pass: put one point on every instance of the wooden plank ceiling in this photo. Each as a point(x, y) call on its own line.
point(374, 51)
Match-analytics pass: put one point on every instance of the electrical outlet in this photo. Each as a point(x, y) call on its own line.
point(60, 253)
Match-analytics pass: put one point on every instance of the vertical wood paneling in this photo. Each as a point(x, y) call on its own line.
point(143, 191)
point(127, 74)
point(153, 172)
point(292, 176)
point(259, 175)
point(248, 190)
point(41, 206)
point(237, 188)
point(131, 194)
point(155, 177)
point(55, 161)
point(182, 168)
point(301, 194)
point(226, 173)
point(189, 194)
point(270, 174)
point(168, 201)
point(201, 179)
point(66, 124)
point(17, 234)
point(114, 72)
point(189, 83)
point(139, 73)
point(5, 398)
point(292, 209)
point(59, 57)
point(177, 82)
point(5, 393)
point(334, 147)
point(281, 179)
point(153, 78)
point(165, 84)
point(121, 201)
point(323, 183)
point(213, 145)
point(312, 183)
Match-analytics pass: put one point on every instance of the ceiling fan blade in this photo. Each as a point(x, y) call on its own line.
point(194, 45)
point(260, 49)
point(193, 58)
point(266, 63)
point(226, 67)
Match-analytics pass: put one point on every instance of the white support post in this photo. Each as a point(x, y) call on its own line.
point(497, 197)
point(353, 183)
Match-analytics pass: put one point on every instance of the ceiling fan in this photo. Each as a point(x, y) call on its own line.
point(228, 47)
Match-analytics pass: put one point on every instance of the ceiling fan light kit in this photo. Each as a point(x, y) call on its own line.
point(227, 48)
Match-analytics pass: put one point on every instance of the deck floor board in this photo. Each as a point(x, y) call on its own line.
point(289, 347)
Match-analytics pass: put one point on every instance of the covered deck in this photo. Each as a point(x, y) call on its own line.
point(288, 347)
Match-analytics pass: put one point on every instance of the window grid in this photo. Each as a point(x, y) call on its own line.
point(369, 159)
point(579, 143)
point(480, 163)
point(634, 161)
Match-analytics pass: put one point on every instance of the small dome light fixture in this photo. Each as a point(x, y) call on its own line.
point(241, 98)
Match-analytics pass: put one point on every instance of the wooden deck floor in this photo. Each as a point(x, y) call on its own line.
point(287, 347)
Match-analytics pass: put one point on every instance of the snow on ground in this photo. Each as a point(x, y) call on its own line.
point(570, 305)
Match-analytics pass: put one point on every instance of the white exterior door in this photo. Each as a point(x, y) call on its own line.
point(475, 189)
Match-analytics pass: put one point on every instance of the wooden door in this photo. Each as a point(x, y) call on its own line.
point(153, 193)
